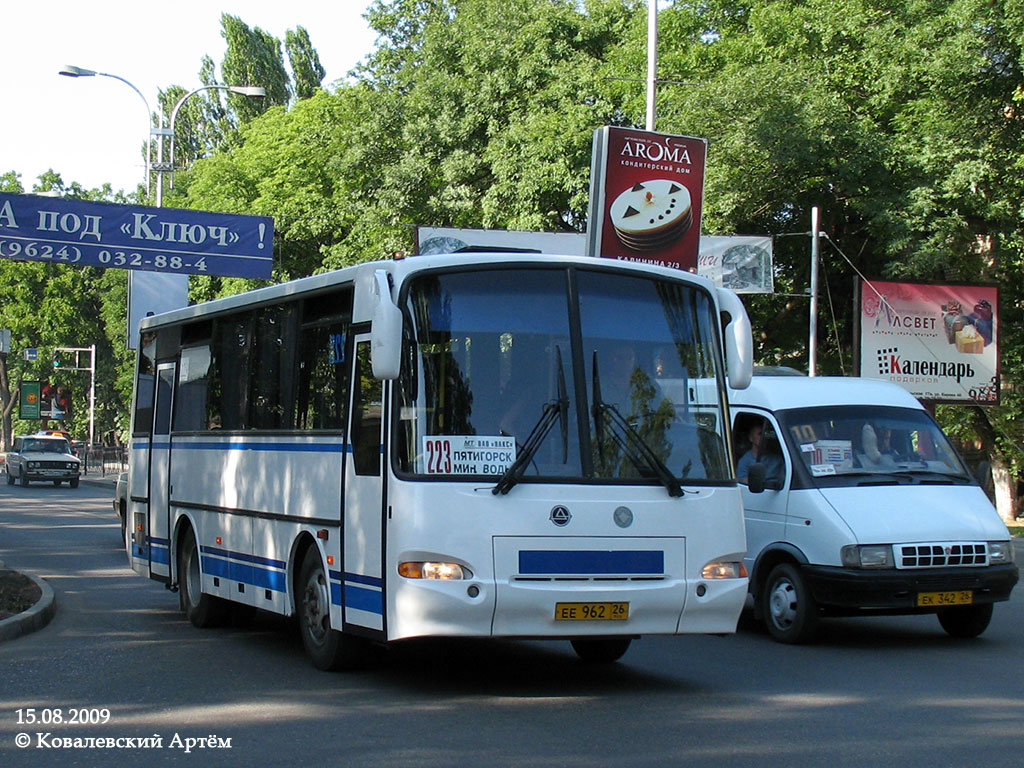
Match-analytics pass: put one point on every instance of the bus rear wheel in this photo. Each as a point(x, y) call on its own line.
point(601, 650)
point(202, 610)
point(327, 648)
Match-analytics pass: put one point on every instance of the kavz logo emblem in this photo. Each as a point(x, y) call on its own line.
point(560, 515)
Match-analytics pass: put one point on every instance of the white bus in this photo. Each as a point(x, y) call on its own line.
point(502, 445)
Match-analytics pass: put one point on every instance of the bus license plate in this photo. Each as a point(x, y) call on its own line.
point(955, 597)
point(591, 611)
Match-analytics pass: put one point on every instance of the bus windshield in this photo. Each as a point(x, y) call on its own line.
point(581, 375)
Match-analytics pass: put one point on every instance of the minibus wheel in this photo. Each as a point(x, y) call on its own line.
point(327, 648)
point(789, 610)
point(601, 650)
point(202, 610)
point(966, 620)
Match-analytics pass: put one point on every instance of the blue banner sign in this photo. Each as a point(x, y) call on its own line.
point(172, 240)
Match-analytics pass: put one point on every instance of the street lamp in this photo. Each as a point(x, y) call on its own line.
point(73, 71)
point(251, 91)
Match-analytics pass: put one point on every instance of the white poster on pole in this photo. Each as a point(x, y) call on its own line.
point(738, 262)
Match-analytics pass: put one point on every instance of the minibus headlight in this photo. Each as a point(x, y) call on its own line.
point(1000, 552)
point(867, 556)
point(433, 570)
point(724, 571)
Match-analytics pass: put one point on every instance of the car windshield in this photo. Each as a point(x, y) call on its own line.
point(47, 445)
point(857, 444)
point(502, 366)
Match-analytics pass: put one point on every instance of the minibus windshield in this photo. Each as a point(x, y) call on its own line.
point(851, 444)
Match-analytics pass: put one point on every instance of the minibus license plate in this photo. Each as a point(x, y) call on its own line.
point(955, 597)
point(591, 611)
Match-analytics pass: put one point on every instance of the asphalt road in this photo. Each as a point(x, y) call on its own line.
point(873, 692)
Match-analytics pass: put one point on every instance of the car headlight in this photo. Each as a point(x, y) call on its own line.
point(1000, 552)
point(33, 465)
point(867, 556)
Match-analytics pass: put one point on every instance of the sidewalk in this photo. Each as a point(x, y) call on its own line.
point(36, 617)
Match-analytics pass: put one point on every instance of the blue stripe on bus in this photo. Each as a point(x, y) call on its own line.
point(372, 581)
point(244, 557)
point(591, 562)
point(363, 599)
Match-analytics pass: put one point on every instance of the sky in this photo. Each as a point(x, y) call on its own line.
point(90, 129)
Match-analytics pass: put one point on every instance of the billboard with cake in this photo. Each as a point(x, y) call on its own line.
point(939, 342)
point(646, 193)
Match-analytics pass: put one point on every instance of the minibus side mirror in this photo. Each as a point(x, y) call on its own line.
point(756, 478)
point(385, 331)
point(739, 342)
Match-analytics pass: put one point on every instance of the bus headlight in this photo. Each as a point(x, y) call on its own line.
point(433, 570)
point(1000, 552)
point(724, 571)
point(867, 556)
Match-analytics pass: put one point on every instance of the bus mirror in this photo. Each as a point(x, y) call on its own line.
point(739, 343)
point(386, 331)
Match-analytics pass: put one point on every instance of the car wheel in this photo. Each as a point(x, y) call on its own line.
point(23, 479)
point(56, 483)
point(202, 610)
point(10, 477)
point(327, 648)
point(73, 483)
point(600, 650)
point(789, 610)
point(966, 621)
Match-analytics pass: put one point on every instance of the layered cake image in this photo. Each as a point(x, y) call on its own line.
point(652, 214)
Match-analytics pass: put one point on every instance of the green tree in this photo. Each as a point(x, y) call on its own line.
point(307, 72)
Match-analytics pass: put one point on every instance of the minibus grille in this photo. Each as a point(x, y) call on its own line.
point(942, 555)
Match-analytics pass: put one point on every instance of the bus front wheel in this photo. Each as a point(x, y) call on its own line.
point(600, 650)
point(327, 648)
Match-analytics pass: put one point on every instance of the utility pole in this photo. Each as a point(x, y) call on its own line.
point(812, 345)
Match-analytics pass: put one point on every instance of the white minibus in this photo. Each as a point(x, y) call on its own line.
point(857, 504)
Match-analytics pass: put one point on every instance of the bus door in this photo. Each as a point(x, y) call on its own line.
point(362, 570)
point(159, 473)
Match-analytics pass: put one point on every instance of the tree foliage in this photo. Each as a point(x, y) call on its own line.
point(901, 120)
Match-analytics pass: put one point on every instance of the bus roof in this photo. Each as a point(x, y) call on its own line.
point(400, 269)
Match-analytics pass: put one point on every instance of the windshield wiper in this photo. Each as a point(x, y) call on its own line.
point(629, 442)
point(558, 408)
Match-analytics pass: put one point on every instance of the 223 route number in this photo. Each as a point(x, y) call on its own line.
point(591, 611)
point(439, 457)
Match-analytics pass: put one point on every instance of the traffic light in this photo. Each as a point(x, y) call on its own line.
point(57, 362)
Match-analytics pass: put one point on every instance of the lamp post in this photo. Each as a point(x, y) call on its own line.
point(73, 71)
point(251, 91)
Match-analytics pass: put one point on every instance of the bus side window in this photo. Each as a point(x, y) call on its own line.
point(367, 407)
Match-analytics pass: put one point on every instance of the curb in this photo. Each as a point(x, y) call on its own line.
point(36, 617)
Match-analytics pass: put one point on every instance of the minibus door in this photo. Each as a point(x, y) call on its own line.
point(159, 473)
point(362, 571)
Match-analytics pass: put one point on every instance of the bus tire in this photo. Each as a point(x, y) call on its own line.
point(966, 621)
point(327, 648)
point(200, 609)
point(790, 611)
point(601, 650)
